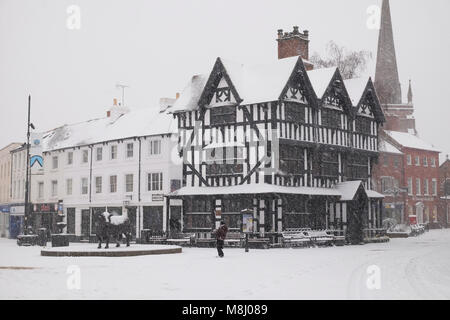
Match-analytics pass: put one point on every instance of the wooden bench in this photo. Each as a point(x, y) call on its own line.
point(321, 237)
point(182, 239)
point(233, 239)
point(259, 243)
point(295, 239)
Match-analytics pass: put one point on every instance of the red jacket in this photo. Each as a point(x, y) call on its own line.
point(222, 232)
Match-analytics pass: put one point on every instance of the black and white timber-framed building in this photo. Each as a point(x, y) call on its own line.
point(296, 147)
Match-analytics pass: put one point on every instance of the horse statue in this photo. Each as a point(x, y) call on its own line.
point(110, 224)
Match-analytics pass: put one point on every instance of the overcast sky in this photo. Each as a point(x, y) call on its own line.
point(156, 46)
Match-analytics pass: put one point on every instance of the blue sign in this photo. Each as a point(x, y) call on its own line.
point(4, 209)
point(37, 159)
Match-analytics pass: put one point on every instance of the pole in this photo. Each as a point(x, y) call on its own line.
point(27, 179)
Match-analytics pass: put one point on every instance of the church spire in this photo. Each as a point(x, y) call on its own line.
point(410, 94)
point(387, 81)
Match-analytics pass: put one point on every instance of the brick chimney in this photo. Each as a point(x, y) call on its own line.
point(292, 44)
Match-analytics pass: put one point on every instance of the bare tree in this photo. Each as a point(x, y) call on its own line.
point(350, 63)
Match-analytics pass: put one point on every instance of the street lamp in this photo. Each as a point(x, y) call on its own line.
point(27, 179)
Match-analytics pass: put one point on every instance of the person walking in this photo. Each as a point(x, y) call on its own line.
point(221, 234)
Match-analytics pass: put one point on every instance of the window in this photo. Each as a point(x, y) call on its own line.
point(224, 161)
point(85, 156)
point(129, 183)
point(84, 185)
point(155, 147)
point(55, 162)
point(417, 161)
point(113, 152)
point(54, 188)
point(408, 160)
point(99, 154)
point(223, 115)
point(433, 162)
point(425, 187)
point(434, 187)
point(358, 167)
point(40, 190)
point(329, 164)
point(130, 150)
point(363, 125)
point(388, 185)
point(331, 118)
point(154, 182)
point(418, 192)
point(386, 160)
point(98, 184)
point(70, 158)
point(295, 112)
point(113, 184)
point(425, 162)
point(410, 186)
point(69, 187)
point(292, 159)
point(198, 205)
point(396, 162)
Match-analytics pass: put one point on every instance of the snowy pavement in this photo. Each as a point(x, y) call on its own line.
point(414, 268)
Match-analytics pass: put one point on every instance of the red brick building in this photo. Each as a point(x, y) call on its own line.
point(408, 169)
point(389, 178)
point(444, 192)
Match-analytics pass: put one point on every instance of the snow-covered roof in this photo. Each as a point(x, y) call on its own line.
point(374, 195)
point(346, 190)
point(136, 123)
point(257, 84)
point(411, 141)
point(385, 146)
point(355, 88)
point(320, 79)
point(189, 97)
point(255, 189)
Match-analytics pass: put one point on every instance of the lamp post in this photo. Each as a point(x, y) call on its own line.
point(27, 178)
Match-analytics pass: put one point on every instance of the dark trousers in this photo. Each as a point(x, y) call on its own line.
point(220, 247)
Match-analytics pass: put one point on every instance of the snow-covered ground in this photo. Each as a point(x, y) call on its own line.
point(414, 268)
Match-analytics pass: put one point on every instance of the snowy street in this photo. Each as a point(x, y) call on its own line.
point(413, 268)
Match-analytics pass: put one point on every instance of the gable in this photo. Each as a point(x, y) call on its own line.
point(222, 95)
point(336, 95)
point(219, 89)
point(369, 105)
point(298, 87)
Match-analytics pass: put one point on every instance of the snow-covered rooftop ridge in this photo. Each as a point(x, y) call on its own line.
point(346, 190)
point(355, 88)
point(411, 141)
point(320, 79)
point(136, 123)
point(387, 147)
point(263, 83)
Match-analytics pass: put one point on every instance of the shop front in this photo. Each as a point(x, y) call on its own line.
point(16, 220)
point(4, 221)
point(45, 215)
